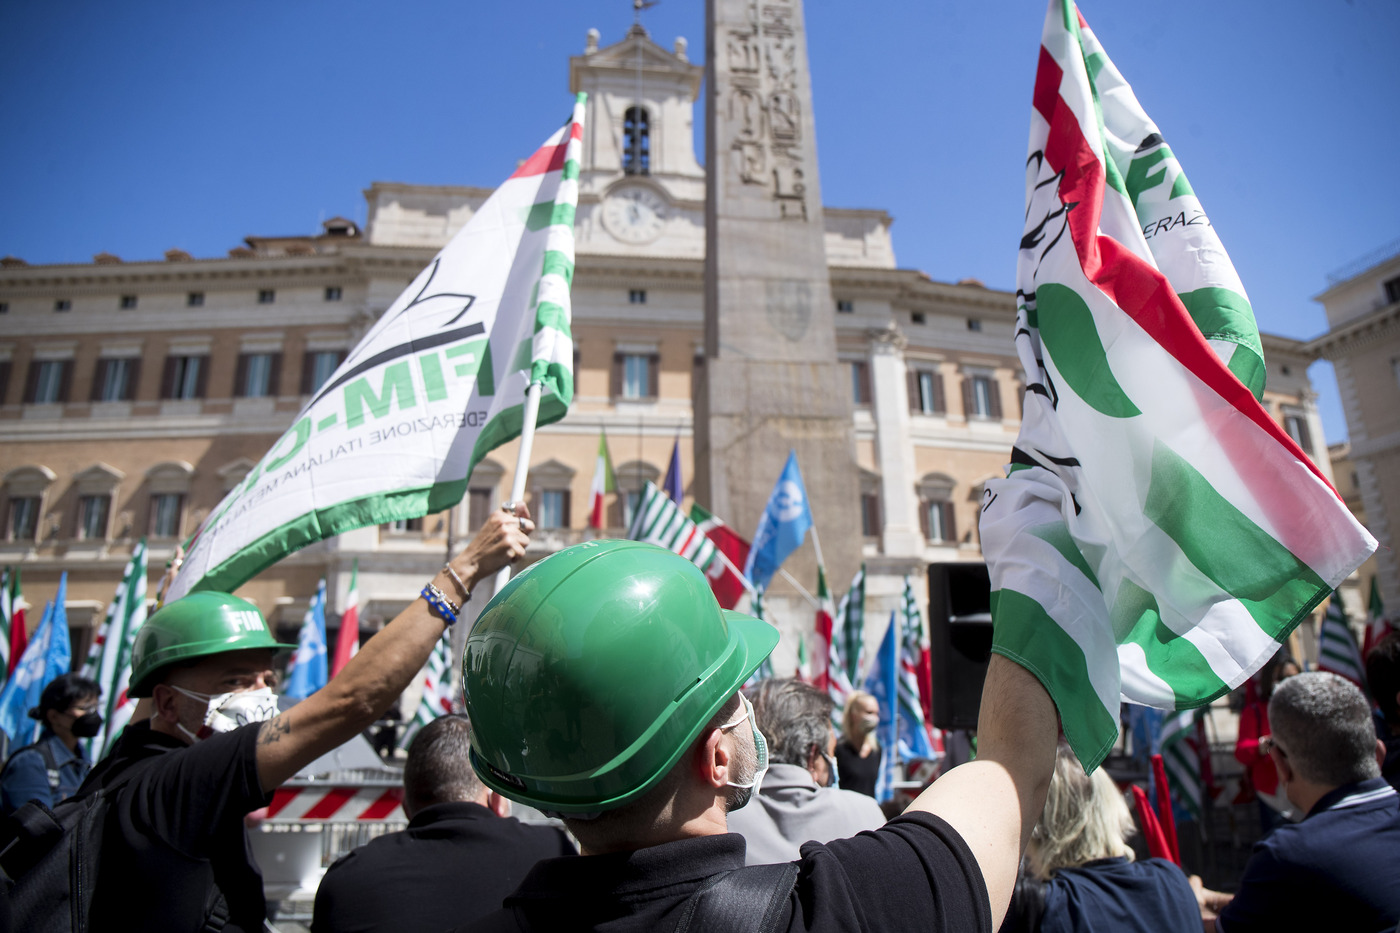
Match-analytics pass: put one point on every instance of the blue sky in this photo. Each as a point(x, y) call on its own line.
point(133, 128)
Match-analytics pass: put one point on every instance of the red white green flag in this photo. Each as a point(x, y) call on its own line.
point(826, 614)
point(1158, 534)
point(347, 642)
point(726, 579)
point(439, 381)
point(16, 634)
point(1377, 626)
point(604, 482)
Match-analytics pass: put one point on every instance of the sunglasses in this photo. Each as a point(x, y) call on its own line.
point(1267, 745)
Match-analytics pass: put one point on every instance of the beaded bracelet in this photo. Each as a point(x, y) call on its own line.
point(466, 590)
point(436, 599)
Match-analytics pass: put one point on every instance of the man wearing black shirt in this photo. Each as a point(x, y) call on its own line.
point(460, 856)
point(602, 685)
point(175, 855)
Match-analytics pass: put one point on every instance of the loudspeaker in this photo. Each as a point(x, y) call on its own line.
point(960, 636)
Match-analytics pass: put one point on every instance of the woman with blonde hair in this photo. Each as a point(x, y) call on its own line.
point(1083, 874)
point(858, 752)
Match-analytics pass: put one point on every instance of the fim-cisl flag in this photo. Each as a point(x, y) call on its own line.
point(660, 521)
point(1336, 645)
point(844, 658)
point(109, 658)
point(1158, 534)
point(438, 382)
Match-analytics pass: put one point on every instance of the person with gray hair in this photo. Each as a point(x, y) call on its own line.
point(1337, 868)
point(798, 799)
point(461, 854)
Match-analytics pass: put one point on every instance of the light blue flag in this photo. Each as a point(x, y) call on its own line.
point(48, 655)
point(883, 684)
point(784, 524)
point(309, 665)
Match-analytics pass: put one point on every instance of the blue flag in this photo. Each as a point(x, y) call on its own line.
point(672, 484)
point(48, 655)
point(309, 670)
point(883, 684)
point(783, 526)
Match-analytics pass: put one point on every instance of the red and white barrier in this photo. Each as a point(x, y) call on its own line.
point(334, 804)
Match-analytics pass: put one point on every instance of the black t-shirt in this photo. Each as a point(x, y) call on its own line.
point(857, 773)
point(174, 839)
point(914, 873)
point(455, 862)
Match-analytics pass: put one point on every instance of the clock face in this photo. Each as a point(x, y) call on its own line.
point(634, 214)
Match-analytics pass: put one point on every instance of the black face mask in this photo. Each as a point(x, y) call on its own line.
point(87, 725)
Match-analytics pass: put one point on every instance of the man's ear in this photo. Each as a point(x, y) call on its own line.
point(499, 805)
point(1284, 768)
point(166, 701)
point(1380, 754)
point(714, 760)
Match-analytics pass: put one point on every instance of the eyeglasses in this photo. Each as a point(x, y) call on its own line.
point(1267, 745)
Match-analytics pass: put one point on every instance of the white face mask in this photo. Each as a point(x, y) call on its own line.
point(761, 748)
point(227, 711)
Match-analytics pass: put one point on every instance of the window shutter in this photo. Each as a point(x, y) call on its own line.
point(615, 389)
point(201, 381)
point(915, 400)
point(133, 379)
point(950, 527)
point(274, 375)
point(308, 360)
point(240, 377)
point(993, 399)
point(167, 379)
point(654, 375)
point(99, 378)
point(923, 517)
point(31, 382)
point(940, 404)
point(4, 380)
point(968, 409)
point(65, 380)
point(567, 518)
point(151, 516)
point(1304, 438)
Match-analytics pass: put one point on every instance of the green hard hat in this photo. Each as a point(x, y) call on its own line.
point(589, 674)
point(193, 627)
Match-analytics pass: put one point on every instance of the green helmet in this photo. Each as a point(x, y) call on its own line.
point(589, 674)
point(193, 627)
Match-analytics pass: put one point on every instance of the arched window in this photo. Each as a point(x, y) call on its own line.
point(636, 142)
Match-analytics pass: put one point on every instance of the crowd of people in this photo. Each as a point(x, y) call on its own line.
point(603, 687)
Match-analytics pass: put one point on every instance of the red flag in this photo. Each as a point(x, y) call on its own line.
point(725, 577)
point(1164, 807)
point(1157, 846)
point(347, 643)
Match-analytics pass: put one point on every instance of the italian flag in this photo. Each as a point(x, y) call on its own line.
point(347, 642)
point(826, 612)
point(603, 483)
point(1377, 627)
point(726, 579)
point(1157, 534)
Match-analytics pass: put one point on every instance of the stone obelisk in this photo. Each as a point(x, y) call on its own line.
point(770, 381)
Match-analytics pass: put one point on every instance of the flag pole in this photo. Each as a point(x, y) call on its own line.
point(522, 464)
point(817, 546)
point(806, 595)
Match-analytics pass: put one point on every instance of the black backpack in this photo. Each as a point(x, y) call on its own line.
point(49, 860)
point(51, 772)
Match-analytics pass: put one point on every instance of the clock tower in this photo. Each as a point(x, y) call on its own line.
point(641, 190)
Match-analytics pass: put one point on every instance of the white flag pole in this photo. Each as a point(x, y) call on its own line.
point(522, 463)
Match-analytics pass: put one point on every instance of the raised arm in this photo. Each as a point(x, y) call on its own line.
point(375, 677)
point(994, 801)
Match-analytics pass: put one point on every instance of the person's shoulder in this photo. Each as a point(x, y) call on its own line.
point(550, 839)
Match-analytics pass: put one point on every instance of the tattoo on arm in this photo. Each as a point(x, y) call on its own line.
point(273, 730)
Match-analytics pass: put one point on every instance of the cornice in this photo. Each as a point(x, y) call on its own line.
point(1343, 341)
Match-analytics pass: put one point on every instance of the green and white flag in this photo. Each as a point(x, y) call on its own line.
point(1181, 757)
point(660, 521)
point(845, 655)
point(436, 699)
point(1158, 534)
point(1336, 644)
point(109, 658)
point(437, 383)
